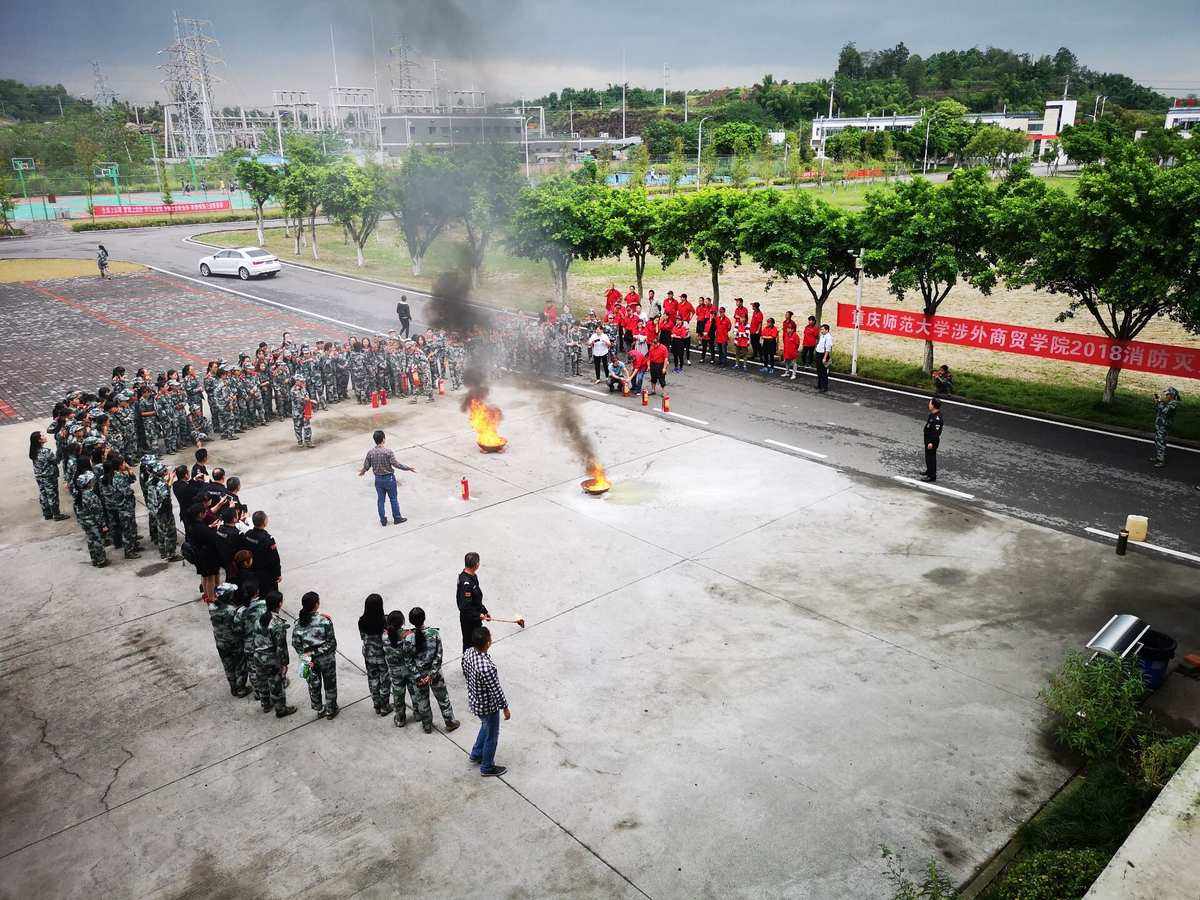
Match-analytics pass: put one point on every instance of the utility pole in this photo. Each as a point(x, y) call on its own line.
point(1066, 86)
point(666, 81)
point(685, 105)
point(858, 266)
point(333, 51)
point(925, 164)
point(622, 94)
point(699, 142)
point(831, 98)
point(435, 86)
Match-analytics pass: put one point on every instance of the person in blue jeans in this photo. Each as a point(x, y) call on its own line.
point(383, 463)
point(487, 701)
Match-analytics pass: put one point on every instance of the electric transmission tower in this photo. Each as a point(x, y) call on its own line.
point(190, 130)
point(103, 96)
point(405, 70)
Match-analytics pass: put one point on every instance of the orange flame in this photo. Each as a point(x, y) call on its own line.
point(484, 420)
point(598, 481)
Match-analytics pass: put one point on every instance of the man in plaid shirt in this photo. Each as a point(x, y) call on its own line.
point(486, 699)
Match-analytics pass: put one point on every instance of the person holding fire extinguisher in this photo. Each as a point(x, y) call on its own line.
point(302, 411)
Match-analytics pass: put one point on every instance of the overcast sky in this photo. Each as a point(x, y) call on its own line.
point(512, 47)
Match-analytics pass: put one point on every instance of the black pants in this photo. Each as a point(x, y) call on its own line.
point(678, 351)
point(687, 350)
point(707, 347)
point(658, 375)
point(822, 374)
point(600, 362)
point(404, 326)
point(723, 349)
point(768, 354)
point(756, 348)
point(931, 461)
point(664, 337)
point(807, 355)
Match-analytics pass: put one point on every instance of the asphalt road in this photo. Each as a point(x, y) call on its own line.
point(1067, 478)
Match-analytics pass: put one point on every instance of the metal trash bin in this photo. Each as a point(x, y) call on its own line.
point(1121, 636)
point(1155, 656)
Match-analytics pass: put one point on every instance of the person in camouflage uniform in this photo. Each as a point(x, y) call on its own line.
point(266, 390)
point(158, 504)
point(370, 629)
point(165, 419)
point(254, 398)
point(307, 368)
point(227, 634)
point(45, 473)
point(271, 656)
point(224, 400)
point(314, 641)
point(328, 376)
point(122, 521)
point(198, 426)
point(89, 513)
point(145, 407)
point(1164, 415)
point(193, 387)
point(179, 400)
point(358, 371)
point(426, 672)
point(371, 362)
point(394, 356)
point(124, 414)
point(211, 379)
point(397, 656)
point(456, 358)
point(341, 371)
point(250, 607)
point(301, 425)
point(423, 374)
point(280, 376)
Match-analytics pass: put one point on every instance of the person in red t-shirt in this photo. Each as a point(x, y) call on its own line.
point(770, 346)
point(632, 297)
point(741, 344)
point(809, 345)
point(638, 363)
point(740, 313)
point(611, 297)
point(550, 313)
point(756, 326)
point(679, 339)
point(721, 326)
point(788, 323)
point(670, 304)
point(658, 366)
point(683, 312)
point(666, 322)
point(651, 330)
point(791, 350)
point(704, 317)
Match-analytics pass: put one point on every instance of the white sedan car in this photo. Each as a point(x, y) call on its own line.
point(245, 263)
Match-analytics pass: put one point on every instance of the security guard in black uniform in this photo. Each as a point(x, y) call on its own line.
point(262, 547)
point(933, 436)
point(471, 611)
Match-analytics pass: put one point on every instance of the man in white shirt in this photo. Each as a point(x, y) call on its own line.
point(824, 353)
point(600, 345)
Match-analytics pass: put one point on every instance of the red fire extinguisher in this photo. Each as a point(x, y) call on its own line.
point(404, 384)
point(666, 407)
point(466, 489)
point(308, 408)
point(645, 398)
point(374, 399)
point(383, 396)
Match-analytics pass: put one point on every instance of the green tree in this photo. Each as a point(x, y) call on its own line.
point(490, 182)
point(927, 238)
point(1089, 142)
point(739, 172)
point(766, 160)
point(731, 138)
point(261, 182)
point(948, 131)
point(1123, 247)
point(300, 190)
point(704, 225)
point(354, 198)
point(557, 221)
point(630, 222)
point(675, 170)
point(1161, 144)
point(424, 197)
point(639, 159)
point(7, 206)
point(850, 62)
point(795, 235)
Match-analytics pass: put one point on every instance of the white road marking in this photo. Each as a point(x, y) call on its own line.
point(682, 416)
point(575, 387)
point(927, 486)
point(257, 299)
point(1166, 550)
point(797, 449)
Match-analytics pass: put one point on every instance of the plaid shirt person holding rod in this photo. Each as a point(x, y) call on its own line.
point(383, 462)
point(486, 699)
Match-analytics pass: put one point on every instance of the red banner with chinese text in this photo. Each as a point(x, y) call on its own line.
point(161, 209)
point(1066, 346)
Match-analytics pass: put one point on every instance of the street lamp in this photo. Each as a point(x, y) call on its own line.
point(699, 141)
point(858, 265)
point(525, 128)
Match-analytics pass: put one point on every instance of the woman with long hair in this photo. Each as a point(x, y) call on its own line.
point(271, 656)
point(45, 473)
point(370, 628)
point(396, 653)
point(315, 643)
point(426, 666)
point(201, 549)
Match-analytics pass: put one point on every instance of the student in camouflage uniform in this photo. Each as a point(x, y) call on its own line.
point(280, 376)
point(179, 399)
point(456, 358)
point(124, 413)
point(165, 420)
point(1164, 415)
point(314, 641)
point(211, 380)
point(198, 426)
point(227, 634)
point(158, 503)
point(45, 473)
point(308, 369)
point(426, 672)
point(271, 656)
point(328, 377)
point(300, 425)
point(89, 513)
point(145, 407)
point(116, 490)
point(370, 629)
point(266, 390)
point(341, 371)
point(250, 607)
point(255, 415)
point(358, 370)
point(371, 362)
point(423, 373)
point(397, 655)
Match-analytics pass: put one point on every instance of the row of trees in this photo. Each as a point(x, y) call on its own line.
point(1123, 248)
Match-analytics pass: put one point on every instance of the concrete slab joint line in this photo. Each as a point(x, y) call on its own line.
point(949, 492)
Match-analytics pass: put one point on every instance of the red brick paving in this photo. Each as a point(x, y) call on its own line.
point(67, 334)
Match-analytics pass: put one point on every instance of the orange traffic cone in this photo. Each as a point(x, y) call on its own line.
point(374, 399)
point(666, 403)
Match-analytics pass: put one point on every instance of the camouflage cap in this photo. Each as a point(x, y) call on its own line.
point(149, 460)
point(85, 479)
point(226, 589)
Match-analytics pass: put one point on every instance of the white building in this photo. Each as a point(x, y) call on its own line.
point(1038, 128)
point(1184, 116)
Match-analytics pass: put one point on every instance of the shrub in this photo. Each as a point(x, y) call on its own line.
point(245, 215)
point(1096, 704)
point(1051, 875)
point(933, 886)
point(1098, 814)
point(1158, 759)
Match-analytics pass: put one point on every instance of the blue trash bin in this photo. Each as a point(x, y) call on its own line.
point(1155, 656)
